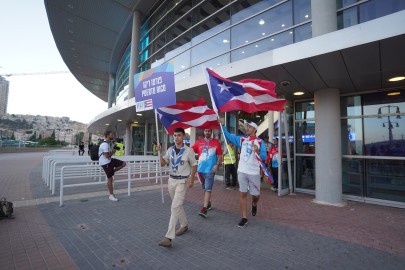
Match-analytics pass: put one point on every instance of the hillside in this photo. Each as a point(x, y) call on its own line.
point(24, 126)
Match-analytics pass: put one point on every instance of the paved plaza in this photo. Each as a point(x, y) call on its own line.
point(91, 232)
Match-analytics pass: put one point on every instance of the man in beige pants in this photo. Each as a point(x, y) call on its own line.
point(183, 166)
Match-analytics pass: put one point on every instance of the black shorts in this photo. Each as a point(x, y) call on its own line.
point(109, 168)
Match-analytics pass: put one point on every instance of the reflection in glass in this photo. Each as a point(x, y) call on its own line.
point(182, 62)
point(386, 179)
point(352, 176)
point(262, 25)
point(352, 143)
point(268, 44)
point(302, 11)
point(304, 110)
point(243, 9)
point(305, 172)
point(373, 9)
point(305, 136)
point(302, 32)
point(210, 48)
point(216, 62)
point(212, 25)
point(347, 17)
point(351, 106)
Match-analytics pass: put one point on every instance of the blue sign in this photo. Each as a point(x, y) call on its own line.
point(155, 88)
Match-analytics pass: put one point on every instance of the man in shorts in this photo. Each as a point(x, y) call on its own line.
point(110, 165)
point(248, 166)
point(209, 158)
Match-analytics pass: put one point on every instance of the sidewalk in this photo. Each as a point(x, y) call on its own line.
point(288, 232)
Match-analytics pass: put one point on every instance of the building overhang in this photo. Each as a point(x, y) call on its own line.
point(354, 60)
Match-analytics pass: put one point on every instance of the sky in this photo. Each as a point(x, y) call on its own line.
point(27, 46)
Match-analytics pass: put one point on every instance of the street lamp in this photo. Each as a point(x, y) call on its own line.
point(389, 122)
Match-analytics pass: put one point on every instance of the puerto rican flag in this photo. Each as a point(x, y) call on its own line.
point(249, 95)
point(187, 114)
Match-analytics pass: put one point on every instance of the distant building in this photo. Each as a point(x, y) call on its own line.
point(4, 84)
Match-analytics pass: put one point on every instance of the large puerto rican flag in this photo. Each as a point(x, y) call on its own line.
point(249, 95)
point(187, 114)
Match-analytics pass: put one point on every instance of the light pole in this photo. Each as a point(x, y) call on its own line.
point(389, 122)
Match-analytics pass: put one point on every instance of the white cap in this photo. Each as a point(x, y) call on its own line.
point(252, 124)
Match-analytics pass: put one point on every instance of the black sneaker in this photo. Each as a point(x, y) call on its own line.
point(209, 206)
point(242, 223)
point(254, 209)
point(203, 212)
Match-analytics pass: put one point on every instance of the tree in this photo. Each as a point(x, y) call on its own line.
point(53, 134)
point(33, 137)
point(40, 137)
point(12, 136)
point(79, 137)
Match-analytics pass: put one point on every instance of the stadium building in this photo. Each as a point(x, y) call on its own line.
point(338, 63)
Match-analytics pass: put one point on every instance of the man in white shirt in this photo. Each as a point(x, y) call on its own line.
point(110, 165)
point(252, 149)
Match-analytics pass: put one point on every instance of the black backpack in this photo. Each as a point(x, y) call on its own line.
point(94, 152)
point(6, 208)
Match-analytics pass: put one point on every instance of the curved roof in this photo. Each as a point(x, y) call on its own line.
point(90, 36)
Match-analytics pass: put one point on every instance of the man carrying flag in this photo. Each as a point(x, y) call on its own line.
point(249, 166)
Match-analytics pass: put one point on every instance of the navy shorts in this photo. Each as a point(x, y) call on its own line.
point(110, 167)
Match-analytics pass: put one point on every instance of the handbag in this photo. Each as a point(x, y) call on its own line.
point(6, 208)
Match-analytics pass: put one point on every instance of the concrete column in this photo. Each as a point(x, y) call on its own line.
point(328, 153)
point(324, 17)
point(134, 58)
point(111, 90)
point(270, 123)
point(128, 140)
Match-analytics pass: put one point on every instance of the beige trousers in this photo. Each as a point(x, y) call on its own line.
point(177, 191)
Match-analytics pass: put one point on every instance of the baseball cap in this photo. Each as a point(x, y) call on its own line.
point(252, 124)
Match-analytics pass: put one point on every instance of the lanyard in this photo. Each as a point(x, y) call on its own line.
point(176, 165)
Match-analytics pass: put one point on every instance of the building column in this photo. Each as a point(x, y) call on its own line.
point(193, 134)
point(328, 152)
point(111, 90)
point(128, 140)
point(134, 57)
point(324, 16)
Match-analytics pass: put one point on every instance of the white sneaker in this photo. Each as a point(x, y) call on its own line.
point(112, 198)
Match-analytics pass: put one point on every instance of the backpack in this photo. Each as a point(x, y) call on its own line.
point(94, 152)
point(6, 208)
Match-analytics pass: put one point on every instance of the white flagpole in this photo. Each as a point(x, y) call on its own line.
point(214, 106)
point(159, 153)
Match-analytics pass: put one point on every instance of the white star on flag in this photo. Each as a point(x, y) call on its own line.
point(223, 87)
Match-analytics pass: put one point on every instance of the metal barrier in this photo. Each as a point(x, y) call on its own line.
point(138, 168)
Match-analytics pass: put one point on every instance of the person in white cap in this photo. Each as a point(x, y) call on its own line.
point(248, 167)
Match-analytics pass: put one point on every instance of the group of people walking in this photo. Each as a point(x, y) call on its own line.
point(184, 166)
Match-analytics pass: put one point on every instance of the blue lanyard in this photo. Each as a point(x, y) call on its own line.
point(176, 165)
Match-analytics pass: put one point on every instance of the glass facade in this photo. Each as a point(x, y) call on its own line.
point(373, 145)
point(218, 32)
point(352, 12)
point(122, 77)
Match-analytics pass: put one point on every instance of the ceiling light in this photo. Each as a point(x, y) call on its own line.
point(119, 120)
point(291, 32)
point(243, 51)
point(282, 25)
point(183, 66)
point(272, 39)
point(298, 93)
point(107, 124)
point(306, 16)
point(261, 22)
point(257, 46)
point(139, 114)
point(263, 33)
point(135, 122)
point(396, 79)
point(246, 41)
point(225, 41)
point(393, 93)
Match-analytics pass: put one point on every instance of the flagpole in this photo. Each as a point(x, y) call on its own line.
point(214, 106)
point(159, 153)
